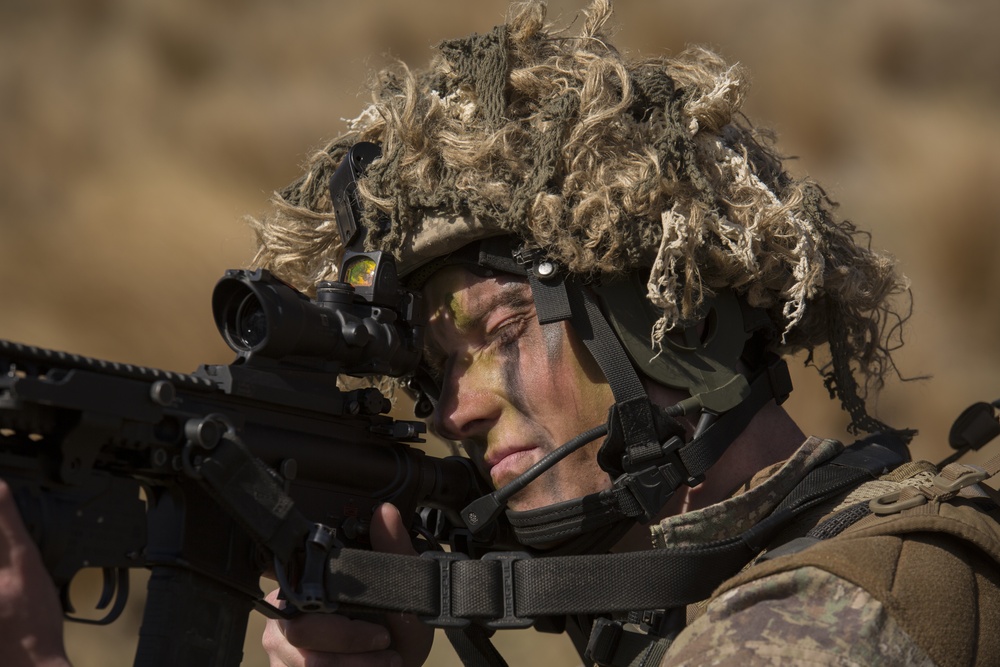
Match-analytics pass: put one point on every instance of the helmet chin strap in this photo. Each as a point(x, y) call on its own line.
point(644, 449)
point(596, 521)
point(590, 522)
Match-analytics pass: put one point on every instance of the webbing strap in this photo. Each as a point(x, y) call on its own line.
point(474, 648)
point(613, 645)
point(569, 518)
point(652, 654)
point(593, 329)
point(955, 479)
point(701, 453)
point(551, 300)
point(509, 592)
point(546, 586)
point(642, 491)
point(559, 297)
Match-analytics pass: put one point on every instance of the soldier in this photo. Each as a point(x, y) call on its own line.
point(527, 177)
point(607, 248)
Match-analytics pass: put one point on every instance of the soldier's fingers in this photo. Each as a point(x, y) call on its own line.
point(388, 533)
point(16, 548)
point(334, 633)
point(326, 632)
point(282, 653)
point(12, 529)
point(411, 637)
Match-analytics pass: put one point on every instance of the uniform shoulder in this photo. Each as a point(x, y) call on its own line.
point(802, 616)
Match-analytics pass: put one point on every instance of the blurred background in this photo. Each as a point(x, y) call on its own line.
point(138, 134)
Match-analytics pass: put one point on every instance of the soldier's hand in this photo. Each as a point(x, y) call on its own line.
point(31, 627)
point(329, 639)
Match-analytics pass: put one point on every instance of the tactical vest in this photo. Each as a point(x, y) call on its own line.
point(886, 536)
point(929, 551)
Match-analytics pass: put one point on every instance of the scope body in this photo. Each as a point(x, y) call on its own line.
point(261, 317)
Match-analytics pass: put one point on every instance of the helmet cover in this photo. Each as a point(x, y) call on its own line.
point(613, 166)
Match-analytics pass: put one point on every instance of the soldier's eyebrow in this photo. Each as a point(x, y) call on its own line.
point(512, 294)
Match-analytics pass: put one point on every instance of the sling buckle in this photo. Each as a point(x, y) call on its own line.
point(510, 618)
point(445, 619)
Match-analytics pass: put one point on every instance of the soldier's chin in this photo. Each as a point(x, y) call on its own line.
point(516, 504)
point(527, 499)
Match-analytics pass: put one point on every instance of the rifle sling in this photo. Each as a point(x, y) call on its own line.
point(511, 589)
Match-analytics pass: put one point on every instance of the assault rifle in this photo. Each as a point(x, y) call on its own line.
point(212, 478)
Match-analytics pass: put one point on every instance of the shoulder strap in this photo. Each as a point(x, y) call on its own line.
point(952, 531)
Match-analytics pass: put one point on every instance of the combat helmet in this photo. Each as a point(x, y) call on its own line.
point(641, 207)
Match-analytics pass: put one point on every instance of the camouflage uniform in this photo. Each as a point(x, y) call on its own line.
point(804, 617)
point(788, 610)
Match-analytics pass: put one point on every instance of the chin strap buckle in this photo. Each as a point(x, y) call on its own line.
point(643, 491)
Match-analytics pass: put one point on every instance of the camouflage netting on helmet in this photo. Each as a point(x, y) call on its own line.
point(610, 164)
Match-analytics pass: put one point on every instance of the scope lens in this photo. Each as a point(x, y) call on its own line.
point(360, 272)
point(251, 323)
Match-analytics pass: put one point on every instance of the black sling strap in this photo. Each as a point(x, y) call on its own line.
point(509, 590)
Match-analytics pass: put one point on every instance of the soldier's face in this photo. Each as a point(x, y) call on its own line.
point(513, 390)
